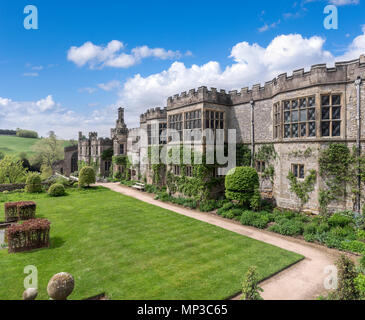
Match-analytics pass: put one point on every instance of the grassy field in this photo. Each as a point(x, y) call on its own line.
point(133, 250)
point(13, 145)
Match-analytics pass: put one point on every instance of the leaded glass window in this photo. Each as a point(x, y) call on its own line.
point(331, 115)
point(299, 118)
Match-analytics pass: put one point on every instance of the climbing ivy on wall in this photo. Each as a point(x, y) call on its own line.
point(304, 188)
point(268, 154)
point(201, 183)
point(338, 167)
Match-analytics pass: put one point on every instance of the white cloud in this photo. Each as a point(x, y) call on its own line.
point(112, 56)
point(45, 115)
point(88, 90)
point(344, 2)
point(110, 85)
point(30, 74)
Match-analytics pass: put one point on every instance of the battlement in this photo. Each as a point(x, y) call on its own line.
point(153, 114)
point(318, 74)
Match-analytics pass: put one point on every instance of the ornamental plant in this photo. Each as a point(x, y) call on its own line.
point(86, 176)
point(33, 183)
point(250, 288)
point(11, 211)
point(26, 210)
point(242, 184)
point(56, 190)
point(31, 234)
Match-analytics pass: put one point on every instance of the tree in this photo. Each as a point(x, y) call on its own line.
point(86, 176)
point(48, 150)
point(12, 170)
point(250, 288)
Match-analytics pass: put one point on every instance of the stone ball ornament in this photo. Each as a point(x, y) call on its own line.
point(30, 294)
point(60, 286)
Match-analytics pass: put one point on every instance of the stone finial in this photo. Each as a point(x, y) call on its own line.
point(60, 286)
point(30, 294)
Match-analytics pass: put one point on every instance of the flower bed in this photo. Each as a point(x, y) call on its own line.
point(32, 234)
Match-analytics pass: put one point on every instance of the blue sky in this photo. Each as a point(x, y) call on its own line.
point(88, 58)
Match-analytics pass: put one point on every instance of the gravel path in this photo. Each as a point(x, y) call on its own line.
point(303, 281)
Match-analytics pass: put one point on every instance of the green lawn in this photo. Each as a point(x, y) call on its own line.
point(14, 145)
point(132, 250)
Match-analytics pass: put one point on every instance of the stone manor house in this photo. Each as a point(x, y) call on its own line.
point(296, 114)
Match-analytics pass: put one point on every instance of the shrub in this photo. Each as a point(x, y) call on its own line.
point(309, 237)
point(288, 227)
point(333, 241)
point(11, 211)
point(354, 246)
point(255, 201)
point(236, 212)
point(31, 234)
point(346, 232)
point(250, 288)
point(87, 176)
point(207, 206)
point(346, 280)
point(163, 196)
point(254, 219)
point(323, 227)
point(310, 228)
point(339, 220)
point(241, 184)
point(56, 190)
point(26, 210)
point(361, 235)
point(33, 183)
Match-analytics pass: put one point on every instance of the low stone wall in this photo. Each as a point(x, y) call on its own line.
point(18, 186)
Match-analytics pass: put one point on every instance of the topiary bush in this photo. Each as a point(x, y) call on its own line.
point(242, 184)
point(33, 183)
point(56, 190)
point(86, 176)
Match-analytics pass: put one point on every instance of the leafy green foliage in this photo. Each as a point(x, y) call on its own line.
point(107, 154)
point(57, 190)
point(33, 183)
point(26, 134)
point(12, 170)
point(347, 274)
point(288, 227)
point(338, 220)
point(303, 189)
point(250, 288)
point(86, 176)
point(255, 219)
point(242, 184)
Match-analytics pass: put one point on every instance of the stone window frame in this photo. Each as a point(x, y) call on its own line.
point(302, 116)
point(176, 122)
point(334, 118)
point(277, 120)
point(298, 170)
point(211, 122)
point(260, 166)
point(162, 127)
point(176, 170)
point(189, 171)
point(121, 148)
point(107, 165)
point(193, 119)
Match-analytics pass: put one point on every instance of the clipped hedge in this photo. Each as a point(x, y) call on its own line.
point(242, 184)
point(87, 176)
point(56, 190)
point(11, 211)
point(33, 183)
point(32, 234)
point(24, 210)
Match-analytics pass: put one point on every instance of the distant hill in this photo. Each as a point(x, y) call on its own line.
point(14, 145)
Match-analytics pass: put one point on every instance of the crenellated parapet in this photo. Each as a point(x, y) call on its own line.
point(197, 96)
point(320, 74)
point(154, 114)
